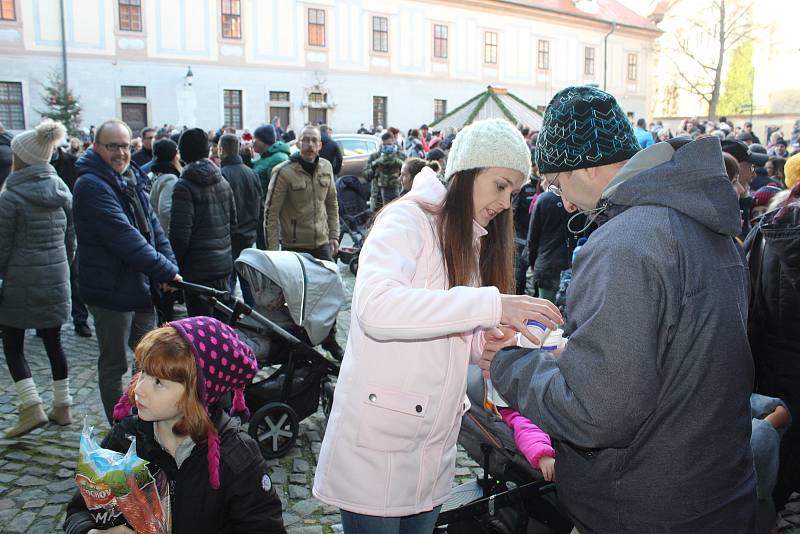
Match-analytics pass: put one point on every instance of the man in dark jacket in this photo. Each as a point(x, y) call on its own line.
point(145, 154)
point(773, 248)
point(330, 149)
point(64, 164)
point(548, 243)
point(122, 252)
point(247, 197)
point(649, 403)
point(521, 205)
point(203, 214)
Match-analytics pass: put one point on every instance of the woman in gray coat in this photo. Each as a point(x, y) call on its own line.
point(37, 243)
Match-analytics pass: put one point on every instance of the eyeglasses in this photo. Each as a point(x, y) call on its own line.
point(552, 185)
point(113, 147)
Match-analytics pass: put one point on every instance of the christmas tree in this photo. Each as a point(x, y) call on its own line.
point(61, 105)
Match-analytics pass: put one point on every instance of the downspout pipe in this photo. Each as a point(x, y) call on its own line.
point(605, 54)
point(64, 51)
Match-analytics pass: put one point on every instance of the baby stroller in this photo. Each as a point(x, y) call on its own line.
point(354, 216)
point(297, 299)
point(512, 497)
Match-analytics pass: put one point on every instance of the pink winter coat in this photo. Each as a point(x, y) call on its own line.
point(390, 445)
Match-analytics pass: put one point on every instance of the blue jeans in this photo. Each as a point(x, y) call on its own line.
point(421, 523)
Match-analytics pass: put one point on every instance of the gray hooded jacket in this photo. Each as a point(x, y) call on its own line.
point(648, 404)
point(37, 244)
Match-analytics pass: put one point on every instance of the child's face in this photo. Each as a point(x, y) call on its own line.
point(158, 399)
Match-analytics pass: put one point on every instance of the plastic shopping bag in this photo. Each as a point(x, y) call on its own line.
point(112, 483)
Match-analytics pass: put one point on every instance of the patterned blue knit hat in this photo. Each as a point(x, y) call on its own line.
point(583, 127)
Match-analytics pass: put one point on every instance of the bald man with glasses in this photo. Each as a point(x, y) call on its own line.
point(124, 256)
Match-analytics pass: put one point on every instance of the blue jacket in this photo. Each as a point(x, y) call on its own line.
point(644, 137)
point(117, 265)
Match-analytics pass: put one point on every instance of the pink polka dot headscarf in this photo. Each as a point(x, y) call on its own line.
point(224, 361)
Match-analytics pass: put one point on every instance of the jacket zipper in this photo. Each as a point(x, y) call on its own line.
point(294, 230)
point(314, 216)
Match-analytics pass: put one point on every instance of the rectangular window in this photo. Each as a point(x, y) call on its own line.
point(439, 109)
point(130, 15)
point(379, 110)
point(232, 19)
point(317, 98)
point(232, 104)
point(12, 113)
point(316, 27)
point(633, 60)
point(440, 41)
point(7, 10)
point(279, 96)
point(134, 91)
point(543, 62)
point(490, 47)
point(380, 34)
point(588, 61)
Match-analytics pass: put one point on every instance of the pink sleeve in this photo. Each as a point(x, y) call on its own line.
point(531, 440)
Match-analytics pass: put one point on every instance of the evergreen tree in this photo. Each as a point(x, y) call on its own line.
point(60, 104)
point(738, 93)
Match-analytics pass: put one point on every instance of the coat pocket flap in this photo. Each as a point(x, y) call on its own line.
point(396, 400)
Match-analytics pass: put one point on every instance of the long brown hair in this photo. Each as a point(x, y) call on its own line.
point(163, 353)
point(454, 220)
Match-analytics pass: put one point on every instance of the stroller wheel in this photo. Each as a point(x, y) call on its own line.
point(326, 398)
point(275, 428)
point(354, 265)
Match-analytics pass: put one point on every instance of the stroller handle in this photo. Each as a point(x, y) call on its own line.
point(222, 296)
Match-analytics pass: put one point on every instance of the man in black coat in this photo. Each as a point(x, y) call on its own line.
point(330, 149)
point(247, 196)
point(203, 214)
point(145, 154)
point(64, 164)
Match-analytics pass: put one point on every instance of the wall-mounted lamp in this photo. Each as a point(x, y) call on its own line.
point(189, 77)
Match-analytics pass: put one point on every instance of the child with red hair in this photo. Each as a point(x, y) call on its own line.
point(217, 478)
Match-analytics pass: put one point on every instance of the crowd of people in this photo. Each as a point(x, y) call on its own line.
point(679, 302)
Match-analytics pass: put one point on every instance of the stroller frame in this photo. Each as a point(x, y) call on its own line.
point(276, 420)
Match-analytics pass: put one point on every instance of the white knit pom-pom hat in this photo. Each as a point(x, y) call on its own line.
point(489, 143)
point(36, 146)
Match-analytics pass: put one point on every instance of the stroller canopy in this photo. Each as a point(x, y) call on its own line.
point(311, 288)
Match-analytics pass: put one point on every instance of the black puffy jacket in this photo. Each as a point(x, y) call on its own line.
point(245, 502)
point(247, 196)
point(203, 214)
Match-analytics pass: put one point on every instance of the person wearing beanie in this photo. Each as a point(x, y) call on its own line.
point(791, 171)
point(435, 280)
point(215, 474)
point(271, 153)
point(201, 219)
point(658, 359)
point(37, 245)
point(164, 172)
point(123, 255)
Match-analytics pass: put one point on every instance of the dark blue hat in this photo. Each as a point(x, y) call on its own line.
point(583, 127)
point(266, 134)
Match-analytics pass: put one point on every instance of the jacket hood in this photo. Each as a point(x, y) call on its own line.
point(40, 185)
point(427, 188)
point(691, 180)
point(280, 146)
point(202, 172)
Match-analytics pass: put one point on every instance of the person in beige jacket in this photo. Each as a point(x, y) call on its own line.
point(301, 201)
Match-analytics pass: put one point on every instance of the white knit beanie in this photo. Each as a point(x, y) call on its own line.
point(36, 146)
point(489, 143)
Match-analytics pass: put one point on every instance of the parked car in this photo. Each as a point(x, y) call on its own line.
point(356, 149)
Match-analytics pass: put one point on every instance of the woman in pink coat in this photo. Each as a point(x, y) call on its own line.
point(435, 274)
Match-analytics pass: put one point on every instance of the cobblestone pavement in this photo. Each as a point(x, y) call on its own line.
point(36, 471)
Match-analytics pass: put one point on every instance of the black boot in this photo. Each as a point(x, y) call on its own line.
point(331, 345)
point(83, 330)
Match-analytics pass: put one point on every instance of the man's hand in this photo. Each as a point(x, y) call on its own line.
point(334, 247)
point(496, 339)
point(547, 464)
point(167, 288)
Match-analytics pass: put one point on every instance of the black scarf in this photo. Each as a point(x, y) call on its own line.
point(135, 204)
point(309, 166)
